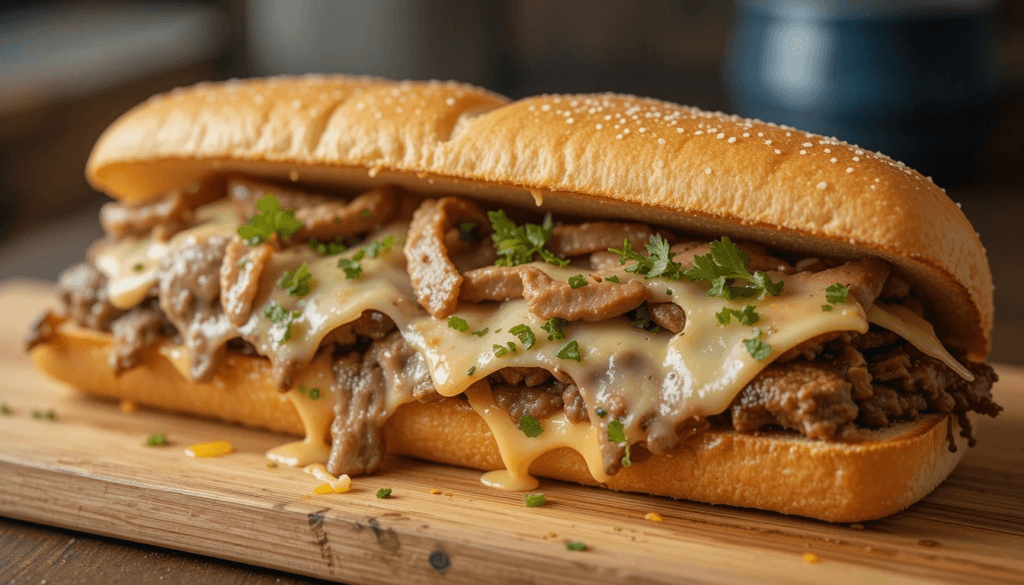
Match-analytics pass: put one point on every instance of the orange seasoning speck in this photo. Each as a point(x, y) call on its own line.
point(653, 517)
point(127, 406)
point(435, 491)
point(811, 558)
point(324, 489)
point(214, 449)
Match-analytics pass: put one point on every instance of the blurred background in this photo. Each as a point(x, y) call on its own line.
point(938, 84)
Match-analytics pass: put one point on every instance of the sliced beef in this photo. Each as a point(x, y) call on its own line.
point(135, 333)
point(579, 239)
point(802, 396)
point(669, 316)
point(547, 298)
point(190, 297)
point(362, 386)
point(240, 274)
point(82, 290)
point(762, 261)
point(519, 401)
point(162, 218)
point(340, 219)
point(435, 279)
point(370, 325)
point(517, 375)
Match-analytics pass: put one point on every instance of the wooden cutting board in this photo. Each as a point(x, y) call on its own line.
point(89, 470)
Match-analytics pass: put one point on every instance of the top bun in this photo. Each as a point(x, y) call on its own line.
point(601, 154)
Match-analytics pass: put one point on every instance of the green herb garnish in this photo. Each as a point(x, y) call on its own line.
point(534, 500)
point(311, 393)
point(471, 370)
point(351, 267)
point(328, 248)
point(156, 440)
point(758, 349)
point(482, 332)
point(727, 262)
point(297, 281)
point(364, 213)
point(747, 316)
point(509, 349)
point(600, 412)
point(555, 328)
point(384, 493)
point(530, 426)
point(525, 335)
point(139, 267)
point(577, 281)
point(517, 244)
point(5, 409)
point(570, 351)
point(458, 323)
point(575, 545)
point(278, 315)
point(270, 221)
point(826, 307)
point(836, 293)
point(374, 249)
point(617, 434)
point(613, 278)
point(657, 263)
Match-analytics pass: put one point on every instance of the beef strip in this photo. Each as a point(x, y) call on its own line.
point(162, 218)
point(370, 325)
point(82, 290)
point(362, 385)
point(190, 298)
point(435, 278)
point(517, 397)
point(585, 238)
point(669, 316)
point(549, 298)
point(240, 278)
point(135, 333)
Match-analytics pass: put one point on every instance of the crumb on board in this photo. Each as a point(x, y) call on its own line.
point(653, 517)
point(811, 558)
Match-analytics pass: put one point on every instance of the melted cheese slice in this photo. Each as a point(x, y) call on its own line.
point(697, 372)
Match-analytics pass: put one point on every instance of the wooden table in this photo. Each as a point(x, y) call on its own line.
point(971, 529)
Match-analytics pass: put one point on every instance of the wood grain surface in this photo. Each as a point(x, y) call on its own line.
point(89, 470)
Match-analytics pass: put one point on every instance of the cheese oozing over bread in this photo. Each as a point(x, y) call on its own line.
point(695, 373)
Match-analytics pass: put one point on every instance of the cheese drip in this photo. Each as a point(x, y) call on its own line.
point(697, 372)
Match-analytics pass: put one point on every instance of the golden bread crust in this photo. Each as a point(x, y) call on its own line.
point(837, 482)
point(606, 154)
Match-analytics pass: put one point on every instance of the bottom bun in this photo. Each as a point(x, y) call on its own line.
point(775, 470)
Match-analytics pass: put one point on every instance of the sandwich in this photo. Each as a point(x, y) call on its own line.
point(600, 289)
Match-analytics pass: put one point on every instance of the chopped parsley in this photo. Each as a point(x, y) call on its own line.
point(530, 426)
point(600, 412)
point(40, 414)
point(758, 349)
point(278, 315)
point(311, 393)
point(570, 351)
point(617, 435)
point(826, 307)
point(509, 349)
point(642, 320)
point(482, 332)
point(374, 249)
point(657, 263)
point(384, 493)
point(5, 409)
point(271, 221)
point(458, 323)
point(139, 267)
point(328, 248)
point(467, 232)
point(156, 440)
point(364, 213)
point(746, 316)
point(534, 500)
point(612, 278)
point(555, 328)
point(351, 267)
point(578, 281)
point(518, 244)
point(471, 370)
point(668, 291)
point(836, 293)
point(525, 335)
point(727, 262)
point(575, 545)
point(297, 281)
